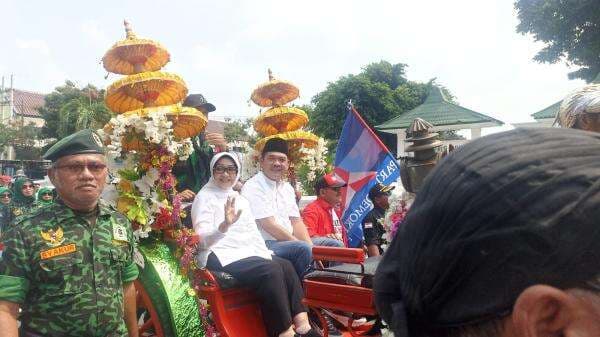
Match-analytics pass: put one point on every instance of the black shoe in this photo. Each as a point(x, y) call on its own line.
point(309, 333)
point(332, 330)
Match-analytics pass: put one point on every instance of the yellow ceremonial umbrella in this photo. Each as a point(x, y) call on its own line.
point(134, 55)
point(280, 119)
point(274, 93)
point(145, 90)
point(187, 121)
point(295, 140)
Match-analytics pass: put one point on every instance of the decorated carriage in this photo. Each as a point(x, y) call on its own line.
point(150, 133)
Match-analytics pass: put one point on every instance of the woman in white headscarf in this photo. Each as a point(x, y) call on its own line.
point(231, 242)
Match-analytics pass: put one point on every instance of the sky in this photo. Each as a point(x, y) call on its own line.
point(223, 49)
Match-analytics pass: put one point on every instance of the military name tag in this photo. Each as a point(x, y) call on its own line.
point(368, 225)
point(119, 233)
point(62, 250)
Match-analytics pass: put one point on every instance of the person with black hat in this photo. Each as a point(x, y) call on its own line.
point(322, 216)
point(69, 266)
point(273, 204)
point(501, 241)
point(372, 224)
point(194, 173)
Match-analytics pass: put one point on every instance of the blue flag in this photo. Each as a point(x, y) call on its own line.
point(361, 160)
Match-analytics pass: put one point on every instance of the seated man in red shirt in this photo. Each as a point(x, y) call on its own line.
point(322, 216)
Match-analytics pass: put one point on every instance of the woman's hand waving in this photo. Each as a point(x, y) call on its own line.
point(231, 216)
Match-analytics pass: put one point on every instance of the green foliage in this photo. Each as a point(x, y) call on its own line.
point(380, 92)
point(69, 109)
point(238, 130)
point(569, 28)
point(23, 138)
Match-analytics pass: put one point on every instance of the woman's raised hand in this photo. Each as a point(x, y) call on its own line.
point(231, 215)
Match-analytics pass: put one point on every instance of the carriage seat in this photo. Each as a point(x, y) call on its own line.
point(225, 280)
point(354, 278)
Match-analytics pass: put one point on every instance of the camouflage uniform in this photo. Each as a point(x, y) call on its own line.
point(68, 274)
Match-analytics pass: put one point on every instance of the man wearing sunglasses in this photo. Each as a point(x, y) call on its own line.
point(69, 266)
point(372, 224)
point(322, 216)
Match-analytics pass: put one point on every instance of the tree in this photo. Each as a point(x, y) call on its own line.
point(23, 138)
point(570, 29)
point(69, 109)
point(380, 92)
point(238, 130)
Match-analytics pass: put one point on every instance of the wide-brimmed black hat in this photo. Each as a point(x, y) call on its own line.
point(198, 101)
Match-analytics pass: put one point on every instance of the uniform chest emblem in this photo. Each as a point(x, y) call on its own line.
point(119, 233)
point(17, 211)
point(53, 238)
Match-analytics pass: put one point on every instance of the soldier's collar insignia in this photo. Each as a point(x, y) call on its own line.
point(53, 238)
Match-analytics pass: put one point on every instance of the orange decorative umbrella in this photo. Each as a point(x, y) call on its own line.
point(187, 121)
point(280, 119)
point(145, 90)
point(295, 140)
point(274, 93)
point(134, 55)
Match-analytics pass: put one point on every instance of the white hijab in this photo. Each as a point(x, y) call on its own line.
point(211, 186)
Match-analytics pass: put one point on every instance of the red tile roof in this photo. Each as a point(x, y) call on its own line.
point(215, 126)
point(26, 103)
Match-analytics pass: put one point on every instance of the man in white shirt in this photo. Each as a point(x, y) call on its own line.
point(273, 204)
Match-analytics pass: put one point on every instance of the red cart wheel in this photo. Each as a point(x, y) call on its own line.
point(147, 317)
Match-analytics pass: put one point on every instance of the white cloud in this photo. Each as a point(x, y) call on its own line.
point(37, 45)
point(91, 29)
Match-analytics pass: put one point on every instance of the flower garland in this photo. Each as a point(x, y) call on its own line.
point(142, 151)
point(399, 205)
point(313, 163)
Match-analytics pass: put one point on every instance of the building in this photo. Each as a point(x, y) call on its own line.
point(547, 116)
point(443, 115)
point(19, 107)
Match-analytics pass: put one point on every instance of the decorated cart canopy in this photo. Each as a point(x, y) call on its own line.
point(149, 134)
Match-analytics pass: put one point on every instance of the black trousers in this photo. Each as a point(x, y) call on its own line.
point(276, 284)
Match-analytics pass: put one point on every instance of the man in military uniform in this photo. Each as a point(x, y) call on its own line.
point(372, 224)
point(69, 266)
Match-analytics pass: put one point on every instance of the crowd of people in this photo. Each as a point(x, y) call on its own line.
point(501, 240)
point(18, 195)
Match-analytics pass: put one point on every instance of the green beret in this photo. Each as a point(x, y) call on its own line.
point(84, 141)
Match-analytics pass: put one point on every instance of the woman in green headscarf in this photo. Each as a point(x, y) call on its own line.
point(5, 197)
point(45, 196)
point(23, 196)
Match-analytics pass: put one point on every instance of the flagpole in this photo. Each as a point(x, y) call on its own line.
point(351, 109)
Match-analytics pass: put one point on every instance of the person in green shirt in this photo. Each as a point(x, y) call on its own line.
point(23, 196)
point(5, 195)
point(69, 266)
point(193, 173)
point(44, 196)
point(5, 199)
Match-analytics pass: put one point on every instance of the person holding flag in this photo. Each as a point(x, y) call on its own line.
point(361, 161)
